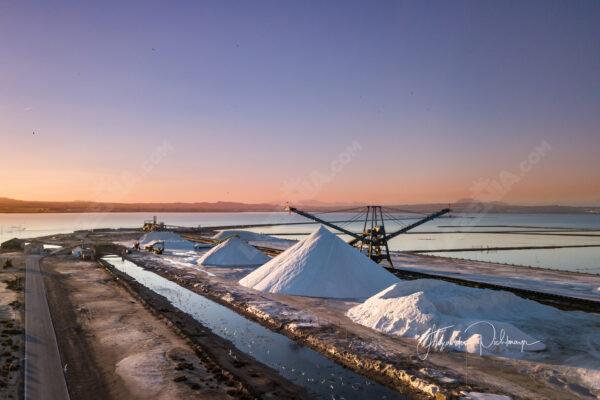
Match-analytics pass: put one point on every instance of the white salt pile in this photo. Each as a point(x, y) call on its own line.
point(248, 236)
point(172, 240)
point(234, 251)
point(321, 265)
point(444, 315)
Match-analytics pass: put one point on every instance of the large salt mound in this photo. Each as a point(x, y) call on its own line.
point(172, 240)
point(321, 265)
point(248, 236)
point(444, 315)
point(234, 251)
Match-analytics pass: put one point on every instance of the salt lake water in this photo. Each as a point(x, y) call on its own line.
point(459, 231)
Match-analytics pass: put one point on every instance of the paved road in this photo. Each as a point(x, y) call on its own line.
point(44, 378)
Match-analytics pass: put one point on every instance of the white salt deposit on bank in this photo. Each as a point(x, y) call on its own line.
point(172, 240)
point(445, 315)
point(140, 371)
point(321, 265)
point(233, 252)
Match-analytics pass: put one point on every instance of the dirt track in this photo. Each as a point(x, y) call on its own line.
point(116, 348)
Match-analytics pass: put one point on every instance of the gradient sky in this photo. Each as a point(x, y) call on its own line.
point(258, 101)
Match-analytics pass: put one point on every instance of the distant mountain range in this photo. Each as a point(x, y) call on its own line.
point(475, 207)
point(461, 206)
point(24, 206)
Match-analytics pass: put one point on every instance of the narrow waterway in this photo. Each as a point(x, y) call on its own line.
point(321, 377)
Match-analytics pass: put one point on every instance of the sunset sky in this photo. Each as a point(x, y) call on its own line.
point(371, 101)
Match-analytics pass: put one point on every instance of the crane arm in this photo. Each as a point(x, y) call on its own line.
point(409, 227)
point(322, 221)
point(419, 222)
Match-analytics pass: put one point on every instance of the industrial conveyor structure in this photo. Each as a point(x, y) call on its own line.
point(374, 238)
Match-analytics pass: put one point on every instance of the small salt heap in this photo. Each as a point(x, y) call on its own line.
point(172, 240)
point(234, 251)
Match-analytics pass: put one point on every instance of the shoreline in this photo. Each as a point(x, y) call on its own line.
point(279, 210)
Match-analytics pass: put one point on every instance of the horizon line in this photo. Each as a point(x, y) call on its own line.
point(321, 202)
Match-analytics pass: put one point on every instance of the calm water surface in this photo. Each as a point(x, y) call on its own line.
point(460, 231)
point(321, 377)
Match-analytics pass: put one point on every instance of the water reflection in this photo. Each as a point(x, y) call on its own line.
point(321, 377)
point(34, 225)
point(584, 259)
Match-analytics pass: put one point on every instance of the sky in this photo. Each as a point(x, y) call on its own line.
point(347, 101)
